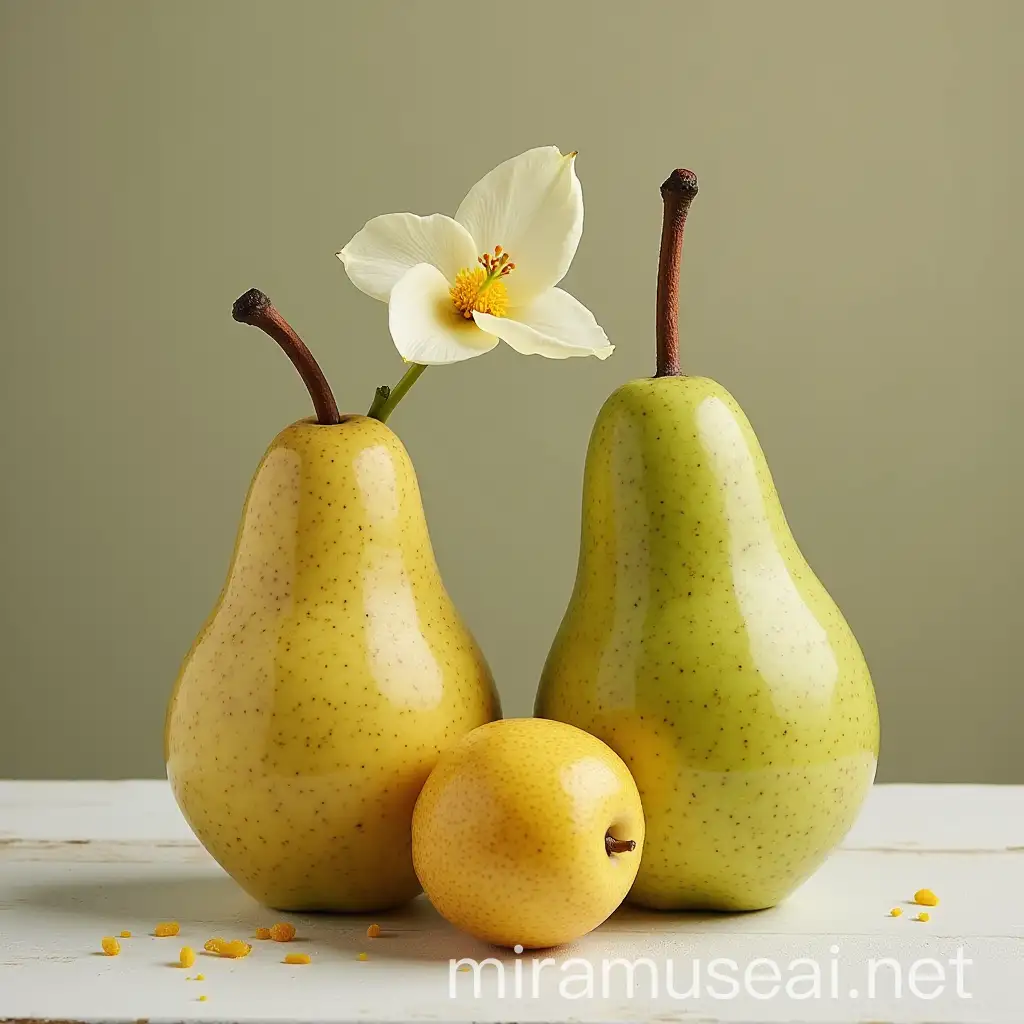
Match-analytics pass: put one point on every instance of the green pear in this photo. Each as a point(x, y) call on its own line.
point(332, 673)
point(700, 646)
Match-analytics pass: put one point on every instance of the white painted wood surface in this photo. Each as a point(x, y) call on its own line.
point(82, 860)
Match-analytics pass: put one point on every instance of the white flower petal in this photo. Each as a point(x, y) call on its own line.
point(388, 246)
point(554, 325)
point(426, 327)
point(532, 206)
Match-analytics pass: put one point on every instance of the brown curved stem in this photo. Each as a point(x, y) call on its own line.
point(255, 309)
point(613, 845)
point(677, 192)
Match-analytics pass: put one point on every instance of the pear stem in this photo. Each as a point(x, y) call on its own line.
point(613, 845)
point(255, 309)
point(677, 192)
point(385, 400)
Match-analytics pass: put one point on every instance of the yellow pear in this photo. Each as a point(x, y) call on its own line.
point(331, 674)
point(528, 832)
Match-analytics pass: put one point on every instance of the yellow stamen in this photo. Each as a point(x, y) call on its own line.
point(481, 288)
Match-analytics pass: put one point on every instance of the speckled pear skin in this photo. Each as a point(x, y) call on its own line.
point(509, 833)
point(701, 647)
point(332, 673)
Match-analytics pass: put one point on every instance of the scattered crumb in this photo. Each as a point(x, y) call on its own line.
point(187, 956)
point(896, 912)
point(202, 999)
point(262, 933)
point(362, 956)
point(373, 931)
point(126, 935)
point(282, 932)
point(922, 917)
point(200, 977)
point(165, 929)
point(926, 898)
point(233, 949)
point(110, 945)
point(297, 958)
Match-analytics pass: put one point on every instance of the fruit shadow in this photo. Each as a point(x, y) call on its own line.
point(124, 901)
point(414, 933)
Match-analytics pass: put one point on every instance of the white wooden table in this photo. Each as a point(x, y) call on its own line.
point(86, 859)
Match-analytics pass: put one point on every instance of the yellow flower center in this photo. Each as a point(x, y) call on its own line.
point(482, 288)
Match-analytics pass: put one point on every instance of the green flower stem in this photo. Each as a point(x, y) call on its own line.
point(385, 400)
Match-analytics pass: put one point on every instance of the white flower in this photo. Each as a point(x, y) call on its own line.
point(455, 287)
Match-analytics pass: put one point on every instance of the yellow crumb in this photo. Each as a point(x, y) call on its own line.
point(373, 931)
point(233, 950)
point(187, 956)
point(896, 912)
point(922, 917)
point(282, 932)
point(165, 929)
point(202, 999)
point(363, 956)
point(213, 945)
point(110, 945)
point(200, 977)
point(926, 898)
point(126, 935)
point(262, 933)
point(297, 958)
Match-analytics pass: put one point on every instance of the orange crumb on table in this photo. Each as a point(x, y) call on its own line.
point(200, 977)
point(923, 917)
point(373, 931)
point(233, 949)
point(165, 929)
point(187, 956)
point(282, 932)
point(896, 912)
point(926, 898)
point(297, 958)
point(362, 956)
point(110, 945)
point(262, 933)
point(126, 935)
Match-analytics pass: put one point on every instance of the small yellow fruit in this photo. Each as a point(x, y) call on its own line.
point(282, 932)
point(110, 945)
point(187, 956)
point(527, 832)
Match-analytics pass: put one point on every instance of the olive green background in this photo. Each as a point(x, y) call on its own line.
point(853, 275)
